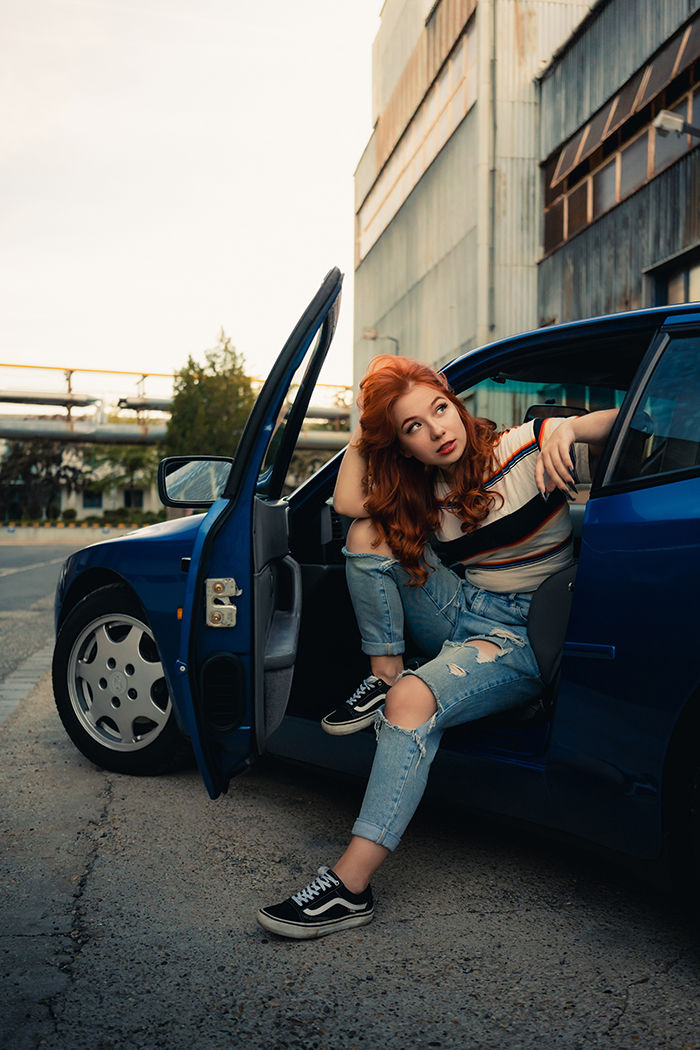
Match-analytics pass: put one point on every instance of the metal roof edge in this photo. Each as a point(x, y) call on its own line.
point(580, 29)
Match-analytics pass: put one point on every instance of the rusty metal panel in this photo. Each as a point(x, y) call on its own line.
point(432, 49)
point(448, 101)
point(418, 282)
point(403, 103)
point(613, 44)
point(527, 33)
point(402, 23)
point(602, 269)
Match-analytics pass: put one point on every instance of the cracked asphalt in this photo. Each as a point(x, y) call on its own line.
point(127, 921)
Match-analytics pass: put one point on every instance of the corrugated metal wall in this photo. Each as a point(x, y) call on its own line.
point(418, 283)
point(432, 48)
point(431, 280)
point(601, 270)
point(527, 32)
point(618, 40)
point(402, 22)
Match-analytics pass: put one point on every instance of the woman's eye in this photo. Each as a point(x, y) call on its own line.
point(411, 427)
point(442, 406)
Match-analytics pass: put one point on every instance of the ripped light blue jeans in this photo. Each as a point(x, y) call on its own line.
point(440, 616)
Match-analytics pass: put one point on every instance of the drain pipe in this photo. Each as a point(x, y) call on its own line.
point(486, 168)
point(491, 318)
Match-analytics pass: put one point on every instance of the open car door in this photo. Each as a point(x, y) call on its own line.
point(242, 609)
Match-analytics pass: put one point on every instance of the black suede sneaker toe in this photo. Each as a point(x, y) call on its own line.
point(322, 907)
point(360, 710)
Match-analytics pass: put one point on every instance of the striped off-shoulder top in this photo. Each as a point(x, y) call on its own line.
point(525, 538)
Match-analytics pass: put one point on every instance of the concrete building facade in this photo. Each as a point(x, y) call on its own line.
point(448, 191)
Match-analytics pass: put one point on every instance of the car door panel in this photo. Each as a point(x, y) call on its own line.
point(242, 606)
point(277, 602)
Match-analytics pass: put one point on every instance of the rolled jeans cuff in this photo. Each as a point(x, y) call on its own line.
point(383, 648)
point(365, 830)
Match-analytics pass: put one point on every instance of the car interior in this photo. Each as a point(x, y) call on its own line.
point(564, 380)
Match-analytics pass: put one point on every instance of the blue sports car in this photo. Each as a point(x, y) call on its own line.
point(230, 631)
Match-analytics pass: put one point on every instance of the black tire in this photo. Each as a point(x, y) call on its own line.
point(110, 689)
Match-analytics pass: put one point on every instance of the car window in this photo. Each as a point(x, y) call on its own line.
point(285, 412)
point(664, 434)
point(510, 402)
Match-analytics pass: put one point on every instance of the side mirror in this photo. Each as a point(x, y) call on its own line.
point(192, 481)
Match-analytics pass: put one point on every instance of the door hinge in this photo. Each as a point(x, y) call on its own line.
point(220, 610)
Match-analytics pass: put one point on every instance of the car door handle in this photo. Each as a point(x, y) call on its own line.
point(590, 650)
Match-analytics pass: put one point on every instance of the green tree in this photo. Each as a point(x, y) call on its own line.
point(119, 466)
point(211, 404)
point(32, 476)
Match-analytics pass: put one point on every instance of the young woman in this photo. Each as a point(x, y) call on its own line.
point(430, 486)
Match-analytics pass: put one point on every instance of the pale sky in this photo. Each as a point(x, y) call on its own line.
point(170, 167)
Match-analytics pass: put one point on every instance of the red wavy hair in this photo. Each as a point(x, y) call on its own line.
point(401, 498)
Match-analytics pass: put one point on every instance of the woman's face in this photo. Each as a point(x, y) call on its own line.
point(429, 427)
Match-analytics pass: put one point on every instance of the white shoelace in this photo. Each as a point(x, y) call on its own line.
point(364, 687)
point(321, 883)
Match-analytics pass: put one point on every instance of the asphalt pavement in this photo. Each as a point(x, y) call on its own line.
point(30, 561)
point(127, 912)
point(128, 907)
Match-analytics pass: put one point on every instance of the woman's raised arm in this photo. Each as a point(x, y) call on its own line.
point(349, 494)
point(554, 464)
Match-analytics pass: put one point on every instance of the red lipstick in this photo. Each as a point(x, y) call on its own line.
point(448, 447)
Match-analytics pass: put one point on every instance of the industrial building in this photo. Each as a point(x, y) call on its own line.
point(621, 201)
point(513, 177)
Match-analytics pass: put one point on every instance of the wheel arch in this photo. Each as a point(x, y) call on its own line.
point(88, 582)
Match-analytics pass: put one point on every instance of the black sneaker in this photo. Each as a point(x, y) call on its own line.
point(359, 710)
point(322, 907)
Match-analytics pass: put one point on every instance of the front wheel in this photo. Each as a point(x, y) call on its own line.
point(110, 689)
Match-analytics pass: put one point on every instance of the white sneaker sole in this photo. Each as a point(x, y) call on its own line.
point(301, 931)
point(354, 726)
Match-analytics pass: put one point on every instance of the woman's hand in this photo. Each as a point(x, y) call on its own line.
point(555, 464)
point(349, 494)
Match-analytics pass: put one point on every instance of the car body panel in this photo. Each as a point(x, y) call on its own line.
point(596, 768)
point(634, 544)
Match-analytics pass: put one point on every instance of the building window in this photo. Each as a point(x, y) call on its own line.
point(633, 165)
point(677, 280)
point(675, 289)
point(554, 224)
point(694, 284)
point(133, 499)
point(614, 177)
point(605, 188)
point(577, 212)
point(619, 150)
point(92, 500)
point(680, 286)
